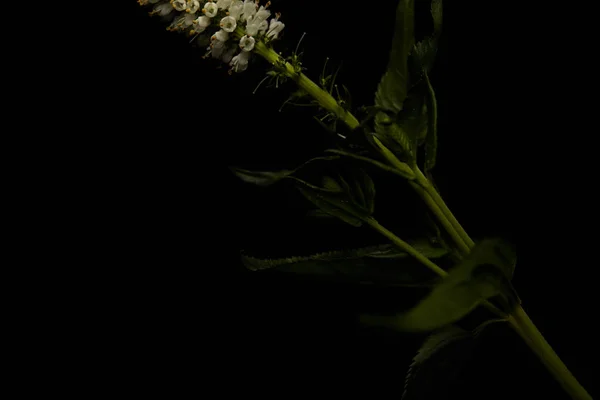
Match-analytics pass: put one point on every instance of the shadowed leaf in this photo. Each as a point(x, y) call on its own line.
point(382, 265)
point(267, 178)
point(392, 89)
point(440, 359)
point(480, 276)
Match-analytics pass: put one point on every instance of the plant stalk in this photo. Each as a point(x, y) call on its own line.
point(325, 100)
point(441, 216)
point(459, 231)
point(519, 320)
point(525, 328)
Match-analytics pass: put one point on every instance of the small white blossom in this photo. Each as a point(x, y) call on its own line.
point(262, 28)
point(247, 43)
point(200, 24)
point(182, 22)
point(249, 9)
point(179, 5)
point(221, 36)
point(210, 9)
point(254, 22)
point(162, 9)
point(223, 4)
point(236, 8)
point(239, 63)
point(228, 24)
point(192, 6)
point(216, 48)
point(275, 27)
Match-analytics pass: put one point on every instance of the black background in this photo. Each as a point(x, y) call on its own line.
point(175, 219)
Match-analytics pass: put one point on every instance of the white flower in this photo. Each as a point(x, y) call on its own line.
point(210, 9)
point(221, 36)
point(192, 6)
point(182, 22)
point(228, 24)
point(162, 9)
point(275, 27)
point(240, 62)
point(223, 4)
point(200, 24)
point(236, 8)
point(216, 48)
point(254, 22)
point(249, 9)
point(262, 28)
point(247, 43)
point(179, 5)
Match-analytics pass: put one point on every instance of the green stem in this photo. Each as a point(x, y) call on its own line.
point(437, 211)
point(324, 99)
point(457, 231)
point(525, 328)
point(406, 247)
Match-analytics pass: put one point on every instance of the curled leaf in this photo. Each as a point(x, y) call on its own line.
point(480, 276)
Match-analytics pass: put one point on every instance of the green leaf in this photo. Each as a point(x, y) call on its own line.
point(394, 137)
point(351, 202)
point(393, 87)
point(423, 246)
point(425, 51)
point(337, 205)
point(318, 213)
point(480, 276)
point(403, 133)
point(267, 178)
point(364, 191)
point(382, 265)
point(440, 359)
point(413, 119)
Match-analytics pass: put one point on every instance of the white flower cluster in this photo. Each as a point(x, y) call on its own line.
point(237, 25)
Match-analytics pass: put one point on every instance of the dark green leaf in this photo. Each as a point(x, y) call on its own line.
point(425, 51)
point(364, 190)
point(439, 360)
point(394, 137)
point(423, 246)
point(351, 202)
point(331, 184)
point(480, 276)
point(337, 205)
point(267, 178)
point(382, 265)
point(318, 213)
point(413, 119)
point(392, 89)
